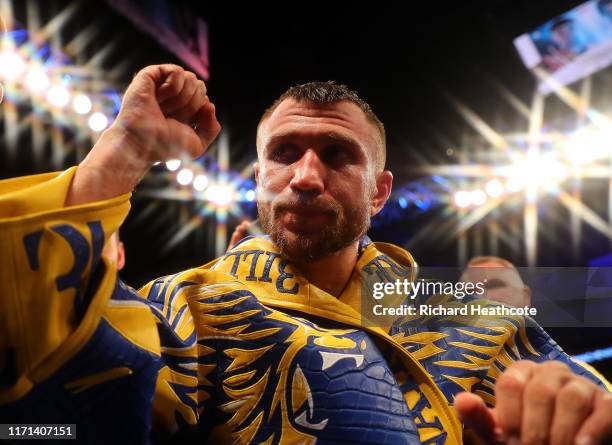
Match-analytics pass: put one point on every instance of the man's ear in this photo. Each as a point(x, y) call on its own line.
point(120, 255)
point(527, 296)
point(256, 168)
point(384, 184)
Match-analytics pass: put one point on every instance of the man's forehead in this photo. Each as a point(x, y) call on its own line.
point(293, 108)
point(488, 271)
point(342, 119)
point(491, 263)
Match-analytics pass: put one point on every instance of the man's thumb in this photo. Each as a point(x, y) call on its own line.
point(475, 415)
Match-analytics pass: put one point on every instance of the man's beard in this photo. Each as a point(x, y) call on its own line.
point(344, 228)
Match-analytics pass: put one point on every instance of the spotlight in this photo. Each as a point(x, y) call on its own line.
point(534, 171)
point(82, 104)
point(403, 202)
point(220, 195)
point(58, 96)
point(250, 195)
point(184, 176)
point(200, 182)
point(494, 188)
point(478, 197)
point(173, 164)
point(463, 198)
point(37, 80)
point(515, 184)
point(588, 145)
point(98, 121)
point(11, 65)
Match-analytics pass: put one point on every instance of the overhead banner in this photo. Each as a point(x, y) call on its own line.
point(569, 47)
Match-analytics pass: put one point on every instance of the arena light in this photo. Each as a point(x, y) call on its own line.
point(37, 80)
point(594, 356)
point(11, 65)
point(463, 198)
point(588, 145)
point(58, 96)
point(82, 104)
point(515, 184)
point(537, 171)
point(184, 176)
point(173, 164)
point(478, 197)
point(98, 121)
point(250, 195)
point(221, 195)
point(200, 182)
point(494, 188)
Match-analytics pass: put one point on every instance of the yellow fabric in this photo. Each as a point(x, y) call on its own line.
point(37, 319)
point(28, 195)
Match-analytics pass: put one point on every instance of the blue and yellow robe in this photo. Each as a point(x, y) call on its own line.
point(241, 350)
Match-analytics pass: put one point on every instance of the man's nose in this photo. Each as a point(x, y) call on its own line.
point(309, 174)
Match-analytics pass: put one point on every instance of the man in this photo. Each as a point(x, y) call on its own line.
point(502, 281)
point(114, 250)
point(266, 344)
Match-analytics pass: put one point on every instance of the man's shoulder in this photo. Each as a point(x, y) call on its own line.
point(191, 281)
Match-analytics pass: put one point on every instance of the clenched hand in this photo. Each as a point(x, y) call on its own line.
point(165, 114)
point(540, 404)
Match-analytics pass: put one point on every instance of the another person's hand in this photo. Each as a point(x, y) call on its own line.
point(165, 114)
point(539, 404)
point(240, 232)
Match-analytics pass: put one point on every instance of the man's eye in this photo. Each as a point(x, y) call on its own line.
point(286, 154)
point(495, 283)
point(337, 155)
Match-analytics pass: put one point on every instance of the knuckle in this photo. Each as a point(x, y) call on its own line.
point(535, 436)
point(146, 71)
point(173, 67)
point(575, 395)
point(521, 368)
point(508, 382)
point(606, 400)
point(540, 391)
point(553, 366)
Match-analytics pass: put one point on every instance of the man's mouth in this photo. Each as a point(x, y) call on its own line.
point(304, 218)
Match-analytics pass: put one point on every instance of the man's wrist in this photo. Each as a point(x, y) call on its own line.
point(113, 167)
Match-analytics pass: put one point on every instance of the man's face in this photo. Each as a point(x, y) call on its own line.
point(564, 33)
point(501, 283)
point(114, 251)
point(316, 177)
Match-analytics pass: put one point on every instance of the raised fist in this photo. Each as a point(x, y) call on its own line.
point(540, 404)
point(165, 114)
